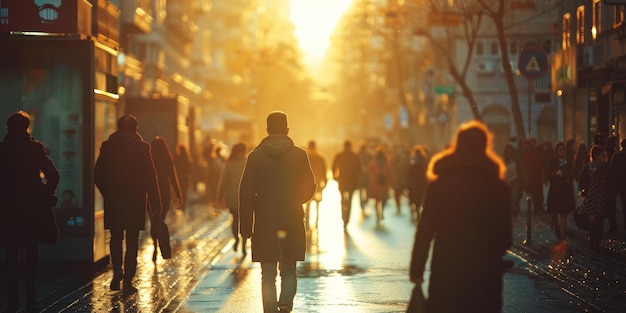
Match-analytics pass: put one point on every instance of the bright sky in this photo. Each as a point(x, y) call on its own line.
point(315, 20)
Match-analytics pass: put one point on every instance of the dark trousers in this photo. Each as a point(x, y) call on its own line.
point(13, 269)
point(346, 205)
point(130, 257)
point(622, 197)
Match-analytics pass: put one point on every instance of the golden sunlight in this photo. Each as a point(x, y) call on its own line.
point(314, 21)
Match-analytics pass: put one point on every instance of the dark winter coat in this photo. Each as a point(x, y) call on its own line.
point(22, 191)
point(417, 180)
point(168, 180)
point(229, 184)
point(347, 170)
point(467, 211)
point(125, 175)
point(561, 198)
point(276, 182)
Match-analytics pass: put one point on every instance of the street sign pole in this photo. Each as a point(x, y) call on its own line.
point(533, 64)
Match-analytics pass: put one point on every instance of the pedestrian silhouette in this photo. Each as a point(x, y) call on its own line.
point(380, 178)
point(597, 187)
point(276, 182)
point(533, 162)
point(365, 156)
point(513, 176)
point(228, 191)
point(26, 198)
point(618, 166)
point(400, 160)
point(612, 146)
point(125, 175)
point(582, 154)
point(467, 213)
point(183, 164)
point(417, 180)
point(561, 199)
point(318, 165)
point(168, 182)
point(347, 172)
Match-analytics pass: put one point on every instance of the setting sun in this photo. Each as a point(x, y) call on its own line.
point(315, 21)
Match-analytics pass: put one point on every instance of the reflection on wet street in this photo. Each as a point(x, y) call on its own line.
point(364, 269)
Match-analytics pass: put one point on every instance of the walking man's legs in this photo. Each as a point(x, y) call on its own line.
point(268, 286)
point(115, 245)
point(130, 257)
point(288, 285)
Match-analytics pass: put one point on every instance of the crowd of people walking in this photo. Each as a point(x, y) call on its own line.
point(269, 191)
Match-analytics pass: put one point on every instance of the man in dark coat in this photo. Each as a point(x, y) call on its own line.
point(125, 174)
point(347, 171)
point(276, 182)
point(467, 212)
point(23, 194)
point(618, 165)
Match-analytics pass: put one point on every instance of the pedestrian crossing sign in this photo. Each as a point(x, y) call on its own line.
point(533, 62)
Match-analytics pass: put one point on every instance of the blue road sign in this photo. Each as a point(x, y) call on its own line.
point(532, 62)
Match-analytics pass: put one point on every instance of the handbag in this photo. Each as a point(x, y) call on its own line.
point(160, 231)
point(417, 302)
point(581, 216)
point(46, 228)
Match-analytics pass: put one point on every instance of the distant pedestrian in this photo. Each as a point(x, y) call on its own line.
point(417, 180)
point(582, 153)
point(561, 197)
point(347, 172)
point(570, 151)
point(618, 166)
point(183, 164)
point(365, 156)
point(276, 182)
point(597, 186)
point(24, 193)
point(125, 175)
point(612, 146)
point(318, 165)
point(534, 166)
point(380, 178)
point(168, 184)
point(400, 160)
point(228, 191)
point(513, 177)
point(467, 214)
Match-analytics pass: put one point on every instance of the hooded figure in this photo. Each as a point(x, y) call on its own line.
point(467, 214)
point(276, 182)
point(24, 198)
point(125, 175)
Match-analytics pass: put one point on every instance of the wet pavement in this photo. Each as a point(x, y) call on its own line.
point(363, 270)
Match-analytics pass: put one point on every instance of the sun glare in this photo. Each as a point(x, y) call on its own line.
point(314, 21)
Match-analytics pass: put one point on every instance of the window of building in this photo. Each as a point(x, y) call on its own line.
point(565, 32)
point(580, 24)
point(513, 48)
point(480, 48)
point(596, 22)
point(619, 14)
point(494, 48)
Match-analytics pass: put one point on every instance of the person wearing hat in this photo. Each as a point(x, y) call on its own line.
point(23, 192)
point(277, 180)
point(125, 174)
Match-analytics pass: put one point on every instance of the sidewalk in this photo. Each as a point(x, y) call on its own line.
point(596, 282)
point(198, 235)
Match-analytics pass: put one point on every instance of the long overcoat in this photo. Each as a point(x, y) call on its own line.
point(347, 170)
point(125, 175)
point(467, 212)
point(276, 182)
point(561, 198)
point(22, 160)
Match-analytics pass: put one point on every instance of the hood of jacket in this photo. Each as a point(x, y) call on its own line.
point(276, 146)
point(124, 138)
point(455, 163)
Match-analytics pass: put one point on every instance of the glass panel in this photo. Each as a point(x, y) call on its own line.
point(104, 126)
